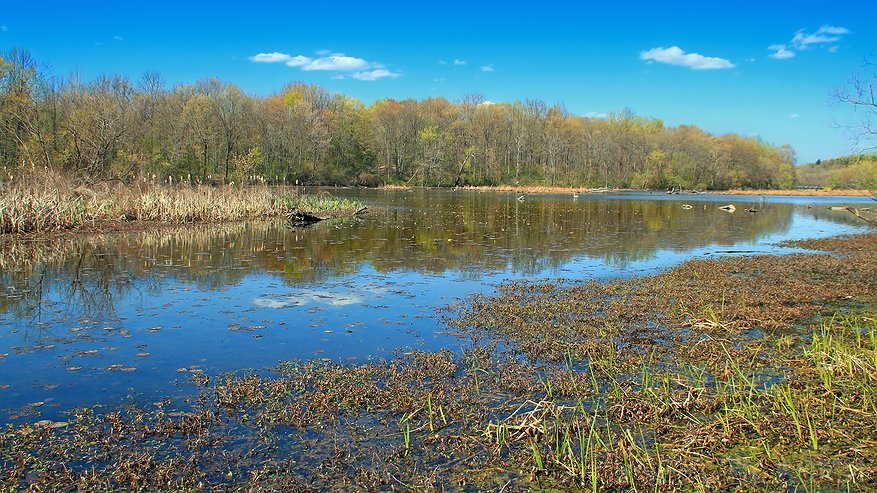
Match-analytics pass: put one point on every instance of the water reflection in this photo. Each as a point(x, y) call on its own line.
point(424, 231)
point(91, 317)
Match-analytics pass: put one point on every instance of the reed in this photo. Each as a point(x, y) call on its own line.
point(51, 205)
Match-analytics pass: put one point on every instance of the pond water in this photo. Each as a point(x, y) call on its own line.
point(118, 318)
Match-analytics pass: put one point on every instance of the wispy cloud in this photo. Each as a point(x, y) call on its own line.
point(118, 38)
point(595, 114)
point(825, 34)
point(4, 28)
point(802, 40)
point(780, 52)
point(459, 62)
point(487, 68)
point(674, 55)
point(331, 62)
point(374, 74)
point(794, 116)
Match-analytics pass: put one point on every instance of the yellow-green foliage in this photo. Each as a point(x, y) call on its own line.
point(860, 175)
point(851, 172)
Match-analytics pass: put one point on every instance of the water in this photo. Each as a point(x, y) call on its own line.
point(111, 319)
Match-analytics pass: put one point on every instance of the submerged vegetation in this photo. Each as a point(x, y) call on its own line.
point(754, 373)
point(51, 203)
point(113, 127)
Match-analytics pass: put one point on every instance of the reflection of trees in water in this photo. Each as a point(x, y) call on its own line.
point(418, 231)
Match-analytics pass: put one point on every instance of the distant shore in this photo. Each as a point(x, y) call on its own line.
point(535, 189)
point(803, 193)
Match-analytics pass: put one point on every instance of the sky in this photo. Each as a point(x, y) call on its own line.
point(754, 68)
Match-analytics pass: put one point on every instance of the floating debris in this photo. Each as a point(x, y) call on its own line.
point(728, 208)
point(47, 423)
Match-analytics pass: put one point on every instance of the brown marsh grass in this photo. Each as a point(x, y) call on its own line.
point(52, 203)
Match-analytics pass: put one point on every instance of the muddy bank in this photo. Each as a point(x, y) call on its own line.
point(755, 373)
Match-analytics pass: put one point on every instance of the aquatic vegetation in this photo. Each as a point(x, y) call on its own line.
point(714, 375)
point(320, 203)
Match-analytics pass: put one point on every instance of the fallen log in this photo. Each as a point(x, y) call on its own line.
point(302, 218)
point(298, 218)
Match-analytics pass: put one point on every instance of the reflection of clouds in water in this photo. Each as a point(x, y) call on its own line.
point(309, 297)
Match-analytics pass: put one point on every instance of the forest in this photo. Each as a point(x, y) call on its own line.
point(210, 131)
point(857, 171)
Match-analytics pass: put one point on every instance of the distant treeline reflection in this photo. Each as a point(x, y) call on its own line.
point(415, 232)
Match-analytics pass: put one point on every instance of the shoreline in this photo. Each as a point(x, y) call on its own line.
point(537, 189)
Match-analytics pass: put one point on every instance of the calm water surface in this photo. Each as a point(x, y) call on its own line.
point(113, 319)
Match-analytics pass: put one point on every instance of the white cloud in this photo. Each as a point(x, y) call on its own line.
point(594, 114)
point(337, 61)
point(486, 103)
point(802, 40)
point(487, 68)
point(4, 28)
point(118, 38)
point(780, 52)
point(794, 116)
point(840, 31)
point(359, 68)
point(825, 34)
point(298, 61)
point(676, 56)
point(459, 62)
point(272, 57)
point(374, 74)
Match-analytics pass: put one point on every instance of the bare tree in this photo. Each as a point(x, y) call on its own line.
point(860, 92)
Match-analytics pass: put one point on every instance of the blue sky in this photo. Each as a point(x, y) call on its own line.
point(702, 63)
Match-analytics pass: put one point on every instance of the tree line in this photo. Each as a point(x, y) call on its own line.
point(212, 131)
point(857, 171)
